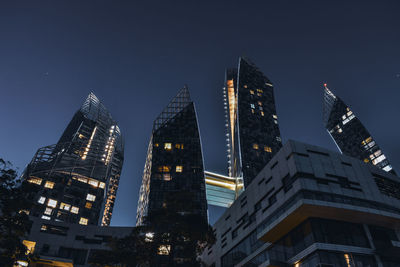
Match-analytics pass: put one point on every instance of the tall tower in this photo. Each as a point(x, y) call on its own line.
point(253, 134)
point(349, 134)
point(174, 160)
point(77, 178)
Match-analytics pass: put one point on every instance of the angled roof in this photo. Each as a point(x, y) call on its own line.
point(177, 104)
point(329, 101)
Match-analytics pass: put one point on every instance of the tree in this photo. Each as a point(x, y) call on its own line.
point(14, 221)
point(171, 236)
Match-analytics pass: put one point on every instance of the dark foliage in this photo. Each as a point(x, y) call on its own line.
point(14, 222)
point(172, 236)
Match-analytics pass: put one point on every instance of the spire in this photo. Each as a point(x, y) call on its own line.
point(329, 101)
point(177, 104)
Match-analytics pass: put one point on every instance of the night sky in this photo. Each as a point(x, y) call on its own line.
point(135, 56)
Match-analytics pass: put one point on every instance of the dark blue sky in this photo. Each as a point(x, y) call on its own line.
point(135, 56)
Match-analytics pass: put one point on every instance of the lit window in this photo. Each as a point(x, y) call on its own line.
point(168, 146)
point(52, 203)
point(164, 250)
point(259, 94)
point(366, 160)
point(90, 197)
point(252, 111)
point(252, 92)
point(102, 185)
point(262, 113)
point(64, 206)
point(81, 136)
point(378, 159)
point(74, 209)
point(245, 86)
point(259, 90)
point(255, 146)
point(94, 183)
point(30, 246)
point(35, 180)
point(88, 205)
point(275, 121)
point(49, 184)
point(179, 168)
point(41, 200)
point(259, 103)
point(83, 221)
point(252, 106)
point(164, 169)
point(46, 217)
point(156, 144)
point(387, 168)
point(347, 258)
point(167, 177)
point(48, 211)
point(267, 149)
point(43, 227)
point(178, 146)
point(274, 116)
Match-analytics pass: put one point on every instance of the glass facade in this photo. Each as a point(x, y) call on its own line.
point(174, 159)
point(77, 178)
point(251, 121)
point(314, 230)
point(349, 134)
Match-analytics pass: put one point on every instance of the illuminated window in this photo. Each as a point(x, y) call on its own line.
point(167, 177)
point(267, 149)
point(245, 86)
point(45, 217)
point(30, 246)
point(35, 180)
point(259, 103)
point(168, 146)
point(81, 136)
point(259, 94)
point(179, 168)
point(83, 221)
point(90, 197)
point(164, 169)
point(255, 146)
point(366, 160)
point(259, 91)
point(179, 146)
point(48, 211)
point(102, 185)
point(94, 183)
point(43, 227)
point(262, 113)
point(49, 184)
point(156, 144)
point(275, 121)
point(164, 250)
point(252, 92)
point(252, 111)
point(347, 258)
point(252, 106)
point(88, 205)
point(64, 206)
point(41, 200)
point(52, 203)
point(274, 116)
point(74, 209)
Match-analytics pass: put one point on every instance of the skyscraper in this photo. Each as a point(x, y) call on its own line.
point(77, 178)
point(349, 134)
point(174, 160)
point(251, 121)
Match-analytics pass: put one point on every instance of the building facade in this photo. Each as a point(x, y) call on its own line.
point(349, 134)
point(174, 160)
point(253, 134)
point(77, 178)
point(312, 207)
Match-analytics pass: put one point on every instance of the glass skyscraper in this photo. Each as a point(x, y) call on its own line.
point(174, 160)
point(253, 134)
point(349, 134)
point(77, 178)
